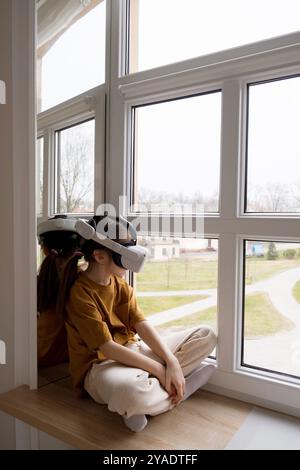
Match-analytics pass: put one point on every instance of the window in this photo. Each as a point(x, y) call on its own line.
point(75, 168)
point(180, 291)
point(210, 130)
point(272, 306)
point(177, 154)
point(218, 131)
point(71, 152)
point(39, 175)
point(184, 31)
point(71, 49)
point(273, 180)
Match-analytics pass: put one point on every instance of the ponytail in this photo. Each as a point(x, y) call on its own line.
point(47, 284)
point(68, 278)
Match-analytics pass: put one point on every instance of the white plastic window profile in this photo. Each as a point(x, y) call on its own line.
point(2, 92)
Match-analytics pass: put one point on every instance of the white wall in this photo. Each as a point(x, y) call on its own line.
point(17, 234)
point(6, 211)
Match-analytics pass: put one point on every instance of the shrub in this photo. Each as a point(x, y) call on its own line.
point(290, 253)
point(272, 251)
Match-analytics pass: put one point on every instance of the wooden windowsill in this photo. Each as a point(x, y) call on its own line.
point(204, 421)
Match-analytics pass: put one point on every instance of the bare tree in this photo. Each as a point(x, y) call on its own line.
point(255, 198)
point(76, 175)
point(276, 196)
point(296, 194)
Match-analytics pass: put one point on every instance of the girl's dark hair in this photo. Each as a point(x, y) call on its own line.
point(70, 272)
point(59, 245)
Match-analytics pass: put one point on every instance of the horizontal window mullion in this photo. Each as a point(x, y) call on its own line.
point(265, 227)
point(254, 227)
point(180, 225)
point(162, 81)
point(79, 106)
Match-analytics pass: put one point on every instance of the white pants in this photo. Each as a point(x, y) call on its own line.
point(131, 391)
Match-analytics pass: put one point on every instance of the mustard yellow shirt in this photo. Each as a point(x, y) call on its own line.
point(95, 315)
point(51, 339)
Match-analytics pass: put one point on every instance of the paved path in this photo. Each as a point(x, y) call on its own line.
point(280, 351)
point(174, 293)
point(279, 288)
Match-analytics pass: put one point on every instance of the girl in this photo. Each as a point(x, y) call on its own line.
point(135, 377)
point(58, 240)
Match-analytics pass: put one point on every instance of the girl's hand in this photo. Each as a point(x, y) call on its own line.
point(160, 373)
point(175, 381)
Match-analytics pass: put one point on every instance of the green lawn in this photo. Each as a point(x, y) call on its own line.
point(261, 268)
point(150, 305)
point(261, 318)
point(206, 317)
point(178, 274)
point(188, 273)
point(296, 291)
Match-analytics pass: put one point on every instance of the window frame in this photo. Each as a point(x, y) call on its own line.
point(131, 110)
point(87, 106)
point(240, 364)
point(247, 85)
point(57, 142)
point(244, 50)
point(229, 70)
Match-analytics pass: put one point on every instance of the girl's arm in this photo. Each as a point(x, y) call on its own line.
point(149, 334)
point(175, 381)
point(119, 353)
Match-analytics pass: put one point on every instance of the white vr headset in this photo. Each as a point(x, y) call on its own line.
point(56, 224)
point(130, 257)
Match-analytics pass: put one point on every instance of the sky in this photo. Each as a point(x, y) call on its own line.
point(76, 62)
point(179, 142)
point(189, 28)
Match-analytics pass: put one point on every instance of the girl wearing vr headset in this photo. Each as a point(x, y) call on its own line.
point(134, 376)
point(58, 240)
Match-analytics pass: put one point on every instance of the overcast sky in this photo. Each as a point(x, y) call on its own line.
point(179, 142)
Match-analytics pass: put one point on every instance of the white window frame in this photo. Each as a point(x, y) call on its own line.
point(89, 105)
point(229, 70)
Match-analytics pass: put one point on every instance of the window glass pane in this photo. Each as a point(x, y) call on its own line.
point(272, 307)
point(39, 175)
point(273, 167)
point(75, 168)
point(177, 288)
point(162, 32)
point(177, 154)
point(71, 50)
point(39, 255)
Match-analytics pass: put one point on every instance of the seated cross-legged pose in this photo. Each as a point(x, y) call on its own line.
point(135, 375)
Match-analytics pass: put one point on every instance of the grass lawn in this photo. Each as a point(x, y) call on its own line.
point(261, 318)
point(177, 274)
point(150, 305)
point(296, 291)
point(258, 269)
point(200, 274)
point(207, 317)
